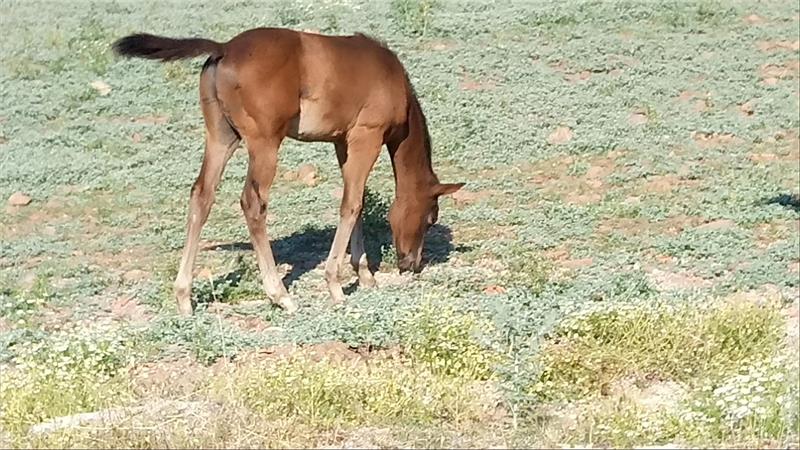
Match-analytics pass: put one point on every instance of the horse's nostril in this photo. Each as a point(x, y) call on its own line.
point(405, 264)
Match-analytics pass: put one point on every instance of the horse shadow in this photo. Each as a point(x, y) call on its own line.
point(790, 201)
point(306, 249)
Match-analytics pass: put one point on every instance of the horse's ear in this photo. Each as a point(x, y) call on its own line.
point(446, 188)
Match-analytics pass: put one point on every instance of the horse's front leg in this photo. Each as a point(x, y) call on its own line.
point(361, 151)
point(358, 254)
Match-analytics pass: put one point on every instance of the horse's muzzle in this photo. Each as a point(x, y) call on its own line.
point(408, 263)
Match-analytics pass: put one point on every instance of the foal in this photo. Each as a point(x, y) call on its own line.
point(269, 83)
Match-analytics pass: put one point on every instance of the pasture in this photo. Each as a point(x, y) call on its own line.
point(622, 267)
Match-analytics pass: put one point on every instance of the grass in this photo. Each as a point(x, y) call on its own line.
point(323, 395)
point(593, 351)
point(71, 371)
point(667, 197)
point(634, 374)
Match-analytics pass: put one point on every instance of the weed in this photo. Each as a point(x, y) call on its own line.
point(76, 370)
point(414, 16)
point(594, 350)
point(325, 395)
point(291, 13)
point(446, 341)
point(17, 307)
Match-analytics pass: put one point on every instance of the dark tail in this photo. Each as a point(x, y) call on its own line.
point(166, 49)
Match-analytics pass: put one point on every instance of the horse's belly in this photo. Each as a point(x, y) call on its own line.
point(315, 122)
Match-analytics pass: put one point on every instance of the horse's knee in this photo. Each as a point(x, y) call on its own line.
point(201, 196)
point(331, 273)
point(350, 209)
point(253, 206)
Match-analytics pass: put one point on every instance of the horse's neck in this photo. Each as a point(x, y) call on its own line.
point(412, 159)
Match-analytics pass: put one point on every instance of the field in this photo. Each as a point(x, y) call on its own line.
point(621, 269)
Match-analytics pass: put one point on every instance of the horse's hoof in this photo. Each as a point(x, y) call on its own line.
point(185, 309)
point(367, 281)
point(288, 304)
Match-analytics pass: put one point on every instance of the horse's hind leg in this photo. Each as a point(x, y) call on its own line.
point(261, 169)
point(221, 141)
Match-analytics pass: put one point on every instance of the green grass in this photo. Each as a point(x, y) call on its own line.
point(642, 213)
point(728, 375)
point(324, 395)
point(682, 343)
point(69, 372)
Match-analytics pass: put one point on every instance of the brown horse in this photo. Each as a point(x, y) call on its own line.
point(269, 83)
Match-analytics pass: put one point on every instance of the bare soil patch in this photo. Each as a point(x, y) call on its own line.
point(721, 224)
point(711, 140)
point(775, 46)
point(129, 309)
point(469, 83)
point(771, 74)
point(561, 135)
point(464, 197)
point(676, 281)
point(552, 177)
point(754, 19)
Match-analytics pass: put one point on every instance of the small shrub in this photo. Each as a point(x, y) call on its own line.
point(760, 398)
point(90, 46)
point(17, 307)
point(206, 337)
point(529, 272)
point(446, 341)
point(291, 13)
point(325, 395)
point(414, 16)
point(592, 350)
point(755, 403)
point(72, 371)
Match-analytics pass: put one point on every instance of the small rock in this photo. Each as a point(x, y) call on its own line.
point(560, 135)
point(463, 196)
point(134, 275)
point(19, 199)
point(128, 308)
point(747, 108)
point(753, 19)
point(28, 280)
point(205, 274)
point(637, 118)
point(101, 87)
point(701, 105)
point(307, 174)
point(494, 289)
point(136, 138)
point(577, 263)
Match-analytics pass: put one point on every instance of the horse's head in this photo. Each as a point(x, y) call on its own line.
point(410, 216)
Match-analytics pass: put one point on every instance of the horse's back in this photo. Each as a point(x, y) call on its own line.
point(323, 85)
